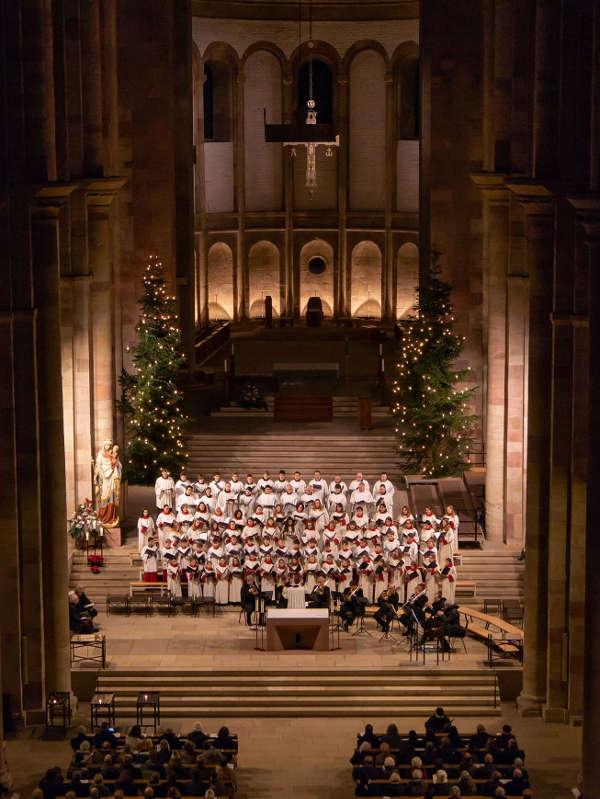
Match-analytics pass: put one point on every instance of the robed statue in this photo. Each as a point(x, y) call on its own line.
point(107, 483)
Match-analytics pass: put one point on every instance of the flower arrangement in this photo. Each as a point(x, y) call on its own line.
point(252, 397)
point(85, 525)
point(95, 562)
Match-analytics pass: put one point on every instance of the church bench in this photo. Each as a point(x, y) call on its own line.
point(141, 586)
point(503, 639)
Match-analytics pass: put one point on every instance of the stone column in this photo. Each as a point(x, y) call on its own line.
point(495, 260)
point(388, 293)
point(288, 178)
point(546, 85)
point(340, 286)
point(515, 445)
point(45, 261)
point(101, 195)
point(110, 98)
point(538, 218)
point(591, 703)
point(241, 283)
point(92, 88)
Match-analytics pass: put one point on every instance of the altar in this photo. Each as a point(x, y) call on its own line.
point(297, 628)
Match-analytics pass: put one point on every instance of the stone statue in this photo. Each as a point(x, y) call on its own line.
point(107, 480)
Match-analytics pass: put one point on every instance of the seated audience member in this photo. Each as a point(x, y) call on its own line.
point(508, 754)
point(388, 767)
point(196, 736)
point(79, 786)
point(210, 756)
point(104, 736)
point(224, 739)
point(479, 740)
point(416, 786)
point(134, 736)
point(517, 784)
point(98, 783)
point(394, 786)
point(77, 740)
point(164, 751)
point(358, 755)
point(466, 785)
point(108, 770)
point(455, 791)
point(126, 783)
point(489, 788)
point(79, 621)
point(518, 763)
point(84, 603)
point(440, 783)
point(368, 735)
point(486, 769)
point(384, 751)
point(392, 737)
point(199, 782)
point(153, 765)
point(438, 722)
point(53, 783)
point(367, 772)
point(502, 739)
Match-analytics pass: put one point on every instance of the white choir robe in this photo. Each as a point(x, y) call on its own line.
point(167, 556)
point(216, 486)
point(429, 551)
point(150, 559)
point(431, 582)
point(236, 486)
point(164, 524)
point(310, 575)
point(410, 552)
point(181, 485)
point(203, 515)
point(385, 499)
point(295, 596)
point(320, 490)
point(263, 482)
point(331, 536)
point(330, 573)
point(431, 517)
point(396, 576)
point(210, 502)
point(146, 528)
point(246, 505)
point(403, 519)
point(185, 518)
point(299, 486)
point(289, 502)
point(299, 521)
point(447, 583)
point(387, 484)
point(268, 502)
point(209, 582)
point(343, 486)
point(320, 518)
point(236, 574)
point(227, 501)
point(445, 550)
point(193, 581)
point(164, 491)
point(380, 578)
point(186, 499)
point(390, 547)
point(365, 581)
point(361, 498)
point(267, 580)
point(173, 579)
point(222, 587)
point(336, 499)
point(279, 486)
point(346, 552)
point(215, 554)
point(355, 484)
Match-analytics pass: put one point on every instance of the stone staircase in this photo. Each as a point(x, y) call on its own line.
point(114, 577)
point(306, 450)
point(369, 693)
point(499, 574)
point(344, 407)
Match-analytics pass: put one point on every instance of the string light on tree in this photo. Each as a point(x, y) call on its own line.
point(432, 421)
point(150, 399)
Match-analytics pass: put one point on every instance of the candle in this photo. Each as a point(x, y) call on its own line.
point(87, 535)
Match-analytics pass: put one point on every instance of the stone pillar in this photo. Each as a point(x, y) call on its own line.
point(340, 286)
point(495, 261)
point(546, 85)
point(241, 281)
point(101, 195)
point(388, 288)
point(92, 88)
point(110, 99)
point(591, 699)
point(288, 178)
point(538, 210)
point(515, 445)
point(45, 261)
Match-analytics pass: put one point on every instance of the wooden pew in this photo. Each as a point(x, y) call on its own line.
point(503, 639)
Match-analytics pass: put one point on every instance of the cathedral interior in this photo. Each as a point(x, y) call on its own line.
point(469, 129)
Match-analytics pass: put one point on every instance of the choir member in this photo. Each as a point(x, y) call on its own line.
point(167, 555)
point(150, 561)
point(430, 573)
point(381, 497)
point(217, 484)
point(396, 575)
point(361, 496)
point(357, 482)
point(182, 484)
point(386, 483)
point(164, 523)
point(200, 486)
point(429, 515)
point(246, 502)
point(250, 485)
point(298, 484)
point(319, 486)
point(193, 579)
point(173, 579)
point(236, 484)
point(209, 580)
point(294, 593)
point(227, 500)
point(267, 578)
point(289, 500)
point(222, 582)
point(445, 541)
point(146, 528)
point(281, 483)
point(164, 490)
point(380, 575)
point(336, 483)
point(202, 513)
point(447, 579)
point(337, 498)
point(186, 497)
point(311, 568)
point(210, 500)
point(264, 481)
point(318, 515)
point(329, 572)
point(236, 579)
point(365, 576)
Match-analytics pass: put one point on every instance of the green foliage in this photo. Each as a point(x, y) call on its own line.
point(150, 399)
point(431, 410)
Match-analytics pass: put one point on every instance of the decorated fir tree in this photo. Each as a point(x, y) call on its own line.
point(431, 410)
point(150, 399)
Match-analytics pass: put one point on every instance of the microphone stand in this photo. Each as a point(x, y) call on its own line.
point(259, 609)
point(334, 629)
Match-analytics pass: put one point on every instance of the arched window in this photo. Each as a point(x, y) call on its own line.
point(322, 80)
point(408, 92)
point(217, 101)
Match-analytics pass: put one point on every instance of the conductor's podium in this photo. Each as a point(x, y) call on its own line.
point(297, 628)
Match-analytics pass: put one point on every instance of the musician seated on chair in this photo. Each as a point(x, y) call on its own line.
point(353, 604)
point(386, 612)
point(320, 596)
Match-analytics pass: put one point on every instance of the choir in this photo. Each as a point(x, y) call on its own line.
point(210, 536)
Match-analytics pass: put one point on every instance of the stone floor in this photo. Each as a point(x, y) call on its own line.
point(281, 757)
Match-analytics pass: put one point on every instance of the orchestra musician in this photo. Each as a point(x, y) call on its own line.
point(248, 595)
point(353, 601)
point(320, 596)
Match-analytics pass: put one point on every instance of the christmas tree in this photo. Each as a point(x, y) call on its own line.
point(150, 399)
point(431, 410)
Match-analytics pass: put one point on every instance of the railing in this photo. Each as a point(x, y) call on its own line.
point(209, 340)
